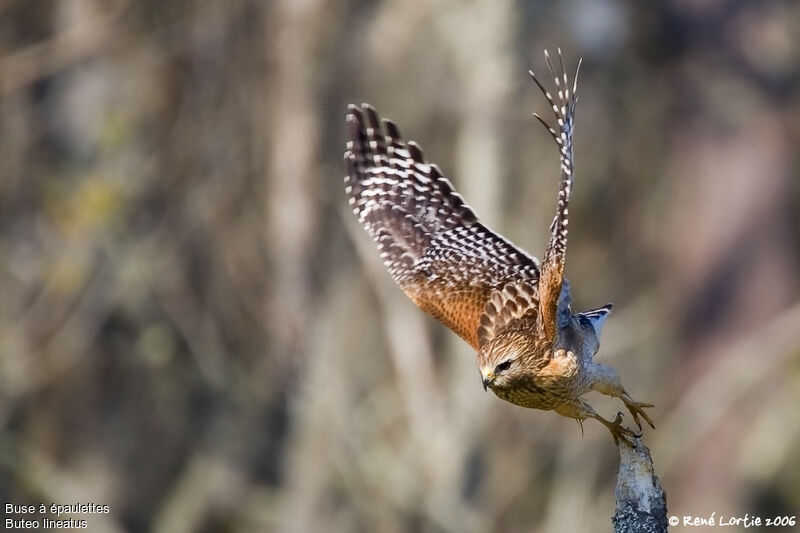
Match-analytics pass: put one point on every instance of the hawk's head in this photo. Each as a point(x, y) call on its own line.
point(506, 359)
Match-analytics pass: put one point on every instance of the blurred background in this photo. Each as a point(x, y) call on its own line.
point(195, 331)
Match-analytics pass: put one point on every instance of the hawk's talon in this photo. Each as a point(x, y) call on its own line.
point(618, 431)
point(637, 410)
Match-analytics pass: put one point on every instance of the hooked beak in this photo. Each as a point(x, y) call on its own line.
point(487, 377)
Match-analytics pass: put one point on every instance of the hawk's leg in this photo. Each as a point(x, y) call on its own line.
point(580, 410)
point(605, 380)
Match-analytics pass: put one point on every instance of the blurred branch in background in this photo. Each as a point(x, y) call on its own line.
point(192, 333)
point(90, 33)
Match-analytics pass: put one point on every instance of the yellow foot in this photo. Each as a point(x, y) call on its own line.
point(618, 431)
point(637, 410)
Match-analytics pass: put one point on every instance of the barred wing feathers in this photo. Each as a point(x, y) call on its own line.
point(431, 242)
point(563, 107)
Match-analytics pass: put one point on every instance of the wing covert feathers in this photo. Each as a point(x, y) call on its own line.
point(514, 306)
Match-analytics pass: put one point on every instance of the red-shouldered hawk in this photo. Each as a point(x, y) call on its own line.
point(532, 350)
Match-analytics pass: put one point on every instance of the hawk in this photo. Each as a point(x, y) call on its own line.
point(532, 350)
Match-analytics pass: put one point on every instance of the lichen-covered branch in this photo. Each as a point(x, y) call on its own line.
point(641, 502)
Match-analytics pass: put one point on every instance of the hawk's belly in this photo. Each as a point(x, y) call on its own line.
point(535, 399)
point(544, 392)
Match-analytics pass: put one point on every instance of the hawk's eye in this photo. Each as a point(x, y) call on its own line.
point(502, 367)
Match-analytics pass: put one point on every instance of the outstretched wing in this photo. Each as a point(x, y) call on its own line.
point(563, 106)
point(431, 242)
